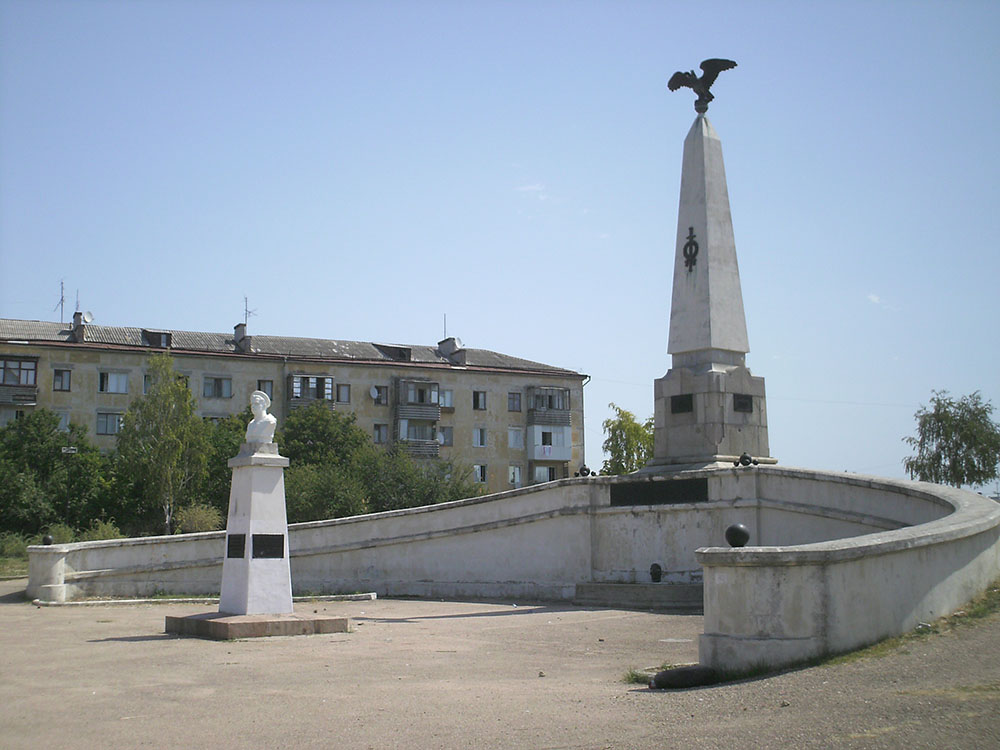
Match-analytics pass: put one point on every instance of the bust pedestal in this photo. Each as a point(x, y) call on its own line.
point(256, 578)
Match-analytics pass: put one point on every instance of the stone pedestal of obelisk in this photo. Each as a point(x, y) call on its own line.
point(256, 578)
point(709, 408)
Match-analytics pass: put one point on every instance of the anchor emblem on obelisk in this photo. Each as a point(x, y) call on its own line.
point(690, 250)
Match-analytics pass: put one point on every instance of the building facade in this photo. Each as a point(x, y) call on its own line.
point(513, 421)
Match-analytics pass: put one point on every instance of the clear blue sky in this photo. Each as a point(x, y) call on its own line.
point(360, 169)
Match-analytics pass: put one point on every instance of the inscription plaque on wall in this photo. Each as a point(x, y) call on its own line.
point(672, 492)
point(681, 404)
point(743, 402)
point(269, 545)
point(236, 545)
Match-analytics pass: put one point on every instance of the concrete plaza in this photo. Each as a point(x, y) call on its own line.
point(442, 674)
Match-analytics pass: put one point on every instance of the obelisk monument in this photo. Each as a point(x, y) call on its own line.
point(709, 408)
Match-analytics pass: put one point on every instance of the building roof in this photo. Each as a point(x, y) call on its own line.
point(331, 350)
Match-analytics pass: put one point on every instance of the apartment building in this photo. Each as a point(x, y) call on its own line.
point(515, 422)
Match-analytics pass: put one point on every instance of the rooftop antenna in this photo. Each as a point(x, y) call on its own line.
point(78, 300)
point(247, 312)
point(445, 326)
point(62, 301)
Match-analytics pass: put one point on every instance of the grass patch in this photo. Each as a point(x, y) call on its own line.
point(13, 566)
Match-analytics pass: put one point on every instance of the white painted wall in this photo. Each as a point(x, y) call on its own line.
point(849, 569)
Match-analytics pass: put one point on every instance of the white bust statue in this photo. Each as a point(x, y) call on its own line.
point(261, 427)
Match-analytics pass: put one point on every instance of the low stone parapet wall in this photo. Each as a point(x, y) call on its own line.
point(779, 605)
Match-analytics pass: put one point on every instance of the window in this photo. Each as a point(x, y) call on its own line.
point(159, 339)
point(217, 388)
point(17, 371)
point(479, 437)
point(513, 401)
point(479, 400)
point(545, 473)
point(421, 393)
point(305, 386)
point(112, 382)
point(60, 380)
point(515, 438)
point(63, 421)
point(479, 473)
point(381, 433)
point(514, 475)
point(419, 430)
point(446, 435)
point(343, 393)
point(551, 398)
point(554, 437)
point(108, 424)
point(267, 386)
point(447, 399)
point(147, 381)
point(381, 395)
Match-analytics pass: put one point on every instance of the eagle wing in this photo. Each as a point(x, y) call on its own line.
point(680, 78)
point(712, 67)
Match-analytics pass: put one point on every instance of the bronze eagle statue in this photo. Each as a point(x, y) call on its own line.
point(700, 85)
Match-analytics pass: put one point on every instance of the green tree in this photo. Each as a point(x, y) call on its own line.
point(40, 484)
point(317, 434)
point(956, 442)
point(628, 443)
point(224, 439)
point(337, 471)
point(162, 445)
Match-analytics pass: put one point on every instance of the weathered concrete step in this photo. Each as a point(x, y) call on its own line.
point(662, 597)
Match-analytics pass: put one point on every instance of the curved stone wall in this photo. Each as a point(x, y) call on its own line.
point(778, 605)
point(837, 560)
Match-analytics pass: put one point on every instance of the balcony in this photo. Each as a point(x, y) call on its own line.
point(550, 453)
point(421, 448)
point(19, 395)
point(555, 417)
point(425, 412)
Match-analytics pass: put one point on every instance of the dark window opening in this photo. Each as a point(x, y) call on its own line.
point(742, 402)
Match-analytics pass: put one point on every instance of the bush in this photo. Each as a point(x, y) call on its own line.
point(198, 517)
point(61, 533)
point(100, 530)
point(13, 545)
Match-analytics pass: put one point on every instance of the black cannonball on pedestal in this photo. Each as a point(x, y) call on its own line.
point(737, 535)
point(47, 539)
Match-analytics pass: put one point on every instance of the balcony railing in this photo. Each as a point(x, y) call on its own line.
point(421, 448)
point(557, 417)
point(21, 395)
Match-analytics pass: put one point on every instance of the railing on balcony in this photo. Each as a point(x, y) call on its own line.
point(421, 448)
point(21, 395)
point(429, 412)
point(558, 417)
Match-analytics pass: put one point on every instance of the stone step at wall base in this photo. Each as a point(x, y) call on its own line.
point(684, 598)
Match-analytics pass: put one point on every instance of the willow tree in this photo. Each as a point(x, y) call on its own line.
point(162, 444)
point(956, 442)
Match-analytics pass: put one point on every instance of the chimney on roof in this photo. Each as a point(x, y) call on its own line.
point(79, 327)
point(240, 338)
point(452, 349)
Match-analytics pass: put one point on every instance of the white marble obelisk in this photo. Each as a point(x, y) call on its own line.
point(256, 577)
point(708, 407)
